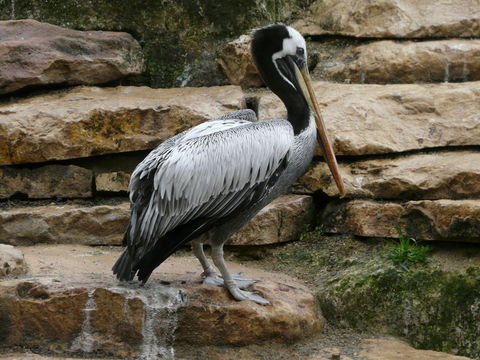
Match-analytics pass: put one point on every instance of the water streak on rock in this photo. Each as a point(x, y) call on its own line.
point(447, 72)
point(85, 341)
point(159, 324)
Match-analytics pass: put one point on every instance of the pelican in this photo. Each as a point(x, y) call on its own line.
point(217, 175)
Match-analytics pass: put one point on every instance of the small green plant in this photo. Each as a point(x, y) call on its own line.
point(309, 235)
point(406, 251)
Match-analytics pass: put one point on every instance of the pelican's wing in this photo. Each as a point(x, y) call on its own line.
point(206, 173)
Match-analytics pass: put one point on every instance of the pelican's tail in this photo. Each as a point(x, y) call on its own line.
point(123, 267)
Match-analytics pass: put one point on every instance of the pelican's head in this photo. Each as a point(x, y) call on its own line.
point(280, 54)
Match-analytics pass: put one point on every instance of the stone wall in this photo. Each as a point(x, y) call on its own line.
point(180, 39)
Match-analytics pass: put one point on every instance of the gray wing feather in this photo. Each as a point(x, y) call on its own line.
point(204, 172)
point(244, 114)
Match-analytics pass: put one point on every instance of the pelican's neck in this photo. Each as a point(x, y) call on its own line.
point(298, 112)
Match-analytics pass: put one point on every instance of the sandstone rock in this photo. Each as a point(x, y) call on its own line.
point(408, 62)
point(180, 40)
point(379, 119)
point(237, 64)
point(392, 349)
point(51, 181)
point(63, 56)
point(128, 320)
point(442, 175)
point(453, 220)
point(392, 18)
point(88, 121)
point(68, 224)
point(112, 182)
point(282, 220)
point(11, 261)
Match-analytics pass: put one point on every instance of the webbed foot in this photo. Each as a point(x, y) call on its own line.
point(217, 280)
point(246, 295)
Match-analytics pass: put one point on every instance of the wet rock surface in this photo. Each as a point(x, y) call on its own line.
point(50, 181)
point(88, 121)
point(94, 312)
point(392, 19)
point(12, 261)
point(452, 220)
point(63, 56)
point(379, 119)
point(384, 62)
point(439, 175)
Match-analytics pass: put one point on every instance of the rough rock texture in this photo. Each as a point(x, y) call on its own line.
point(50, 181)
point(237, 64)
point(11, 261)
point(392, 349)
point(425, 305)
point(48, 308)
point(408, 62)
point(68, 224)
point(392, 18)
point(378, 119)
point(442, 175)
point(455, 220)
point(88, 121)
point(292, 316)
point(282, 220)
point(112, 182)
point(63, 56)
point(180, 39)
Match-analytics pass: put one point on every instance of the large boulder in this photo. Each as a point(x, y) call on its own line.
point(407, 62)
point(50, 181)
point(392, 18)
point(452, 220)
point(66, 308)
point(379, 119)
point(441, 175)
point(34, 53)
point(88, 121)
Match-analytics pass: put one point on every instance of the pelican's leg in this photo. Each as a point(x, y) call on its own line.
point(211, 277)
point(217, 256)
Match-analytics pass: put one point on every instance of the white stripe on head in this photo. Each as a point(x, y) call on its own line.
point(289, 47)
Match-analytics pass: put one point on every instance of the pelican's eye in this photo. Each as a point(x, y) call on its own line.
point(300, 51)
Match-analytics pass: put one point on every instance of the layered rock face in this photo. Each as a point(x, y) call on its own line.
point(88, 121)
point(180, 40)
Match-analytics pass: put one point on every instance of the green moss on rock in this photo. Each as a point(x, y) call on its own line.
point(180, 38)
point(432, 308)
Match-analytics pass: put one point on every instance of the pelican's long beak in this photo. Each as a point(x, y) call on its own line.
point(305, 82)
